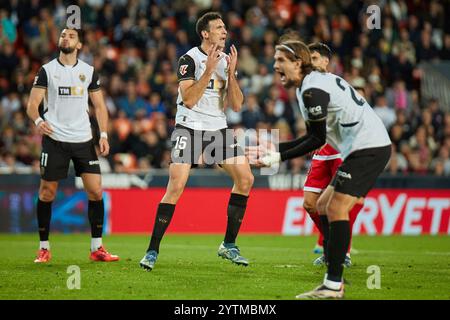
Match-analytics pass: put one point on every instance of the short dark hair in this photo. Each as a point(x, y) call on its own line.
point(203, 22)
point(80, 33)
point(321, 48)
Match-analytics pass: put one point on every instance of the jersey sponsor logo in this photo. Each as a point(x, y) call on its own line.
point(71, 91)
point(183, 69)
point(94, 162)
point(315, 111)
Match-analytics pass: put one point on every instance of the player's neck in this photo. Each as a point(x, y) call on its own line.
point(299, 82)
point(68, 59)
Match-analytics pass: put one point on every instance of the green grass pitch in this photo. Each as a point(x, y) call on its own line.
point(188, 268)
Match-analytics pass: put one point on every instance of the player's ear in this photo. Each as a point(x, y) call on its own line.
point(204, 34)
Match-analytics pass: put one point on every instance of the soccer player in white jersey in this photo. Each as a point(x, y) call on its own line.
point(335, 113)
point(65, 84)
point(207, 85)
point(324, 165)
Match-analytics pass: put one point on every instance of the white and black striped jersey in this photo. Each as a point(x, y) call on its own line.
point(351, 123)
point(66, 100)
point(208, 113)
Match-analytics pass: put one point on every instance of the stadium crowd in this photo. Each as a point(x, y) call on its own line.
point(135, 46)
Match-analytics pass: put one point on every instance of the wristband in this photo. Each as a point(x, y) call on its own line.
point(103, 135)
point(38, 121)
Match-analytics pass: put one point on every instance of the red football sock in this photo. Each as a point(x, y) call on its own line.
point(320, 240)
point(352, 217)
point(315, 217)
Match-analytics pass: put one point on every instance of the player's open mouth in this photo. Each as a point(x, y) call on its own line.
point(282, 76)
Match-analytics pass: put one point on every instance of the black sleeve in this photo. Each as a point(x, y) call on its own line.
point(286, 145)
point(316, 103)
point(186, 68)
point(40, 81)
point(314, 139)
point(95, 82)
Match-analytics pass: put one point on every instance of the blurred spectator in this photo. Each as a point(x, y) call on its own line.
point(131, 103)
point(251, 112)
point(386, 114)
point(441, 164)
point(8, 29)
point(155, 104)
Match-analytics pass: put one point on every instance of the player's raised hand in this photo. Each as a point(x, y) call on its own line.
point(214, 55)
point(45, 128)
point(104, 146)
point(232, 60)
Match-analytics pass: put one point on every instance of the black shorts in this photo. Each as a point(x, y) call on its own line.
point(359, 171)
point(56, 156)
point(188, 145)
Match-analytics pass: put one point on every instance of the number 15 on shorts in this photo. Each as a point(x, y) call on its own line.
point(180, 143)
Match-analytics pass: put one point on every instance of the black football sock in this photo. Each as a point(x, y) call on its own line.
point(96, 211)
point(326, 234)
point(337, 248)
point(162, 221)
point(44, 215)
point(235, 212)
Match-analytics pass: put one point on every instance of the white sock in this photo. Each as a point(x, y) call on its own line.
point(44, 245)
point(95, 244)
point(333, 285)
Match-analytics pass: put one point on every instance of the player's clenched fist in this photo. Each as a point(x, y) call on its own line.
point(104, 146)
point(45, 128)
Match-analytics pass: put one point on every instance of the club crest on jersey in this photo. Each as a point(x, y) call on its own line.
point(82, 77)
point(183, 69)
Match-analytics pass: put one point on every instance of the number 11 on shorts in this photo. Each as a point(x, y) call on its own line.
point(44, 159)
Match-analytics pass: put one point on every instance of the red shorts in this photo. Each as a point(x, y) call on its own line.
point(320, 174)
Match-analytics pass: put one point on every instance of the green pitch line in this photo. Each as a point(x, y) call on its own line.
point(188, 268)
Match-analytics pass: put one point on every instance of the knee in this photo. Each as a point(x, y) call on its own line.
point(245, 182)
point(309, 206)
point(177, 187)
point(47, 193)
point(322, 206)
point(95, 194)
